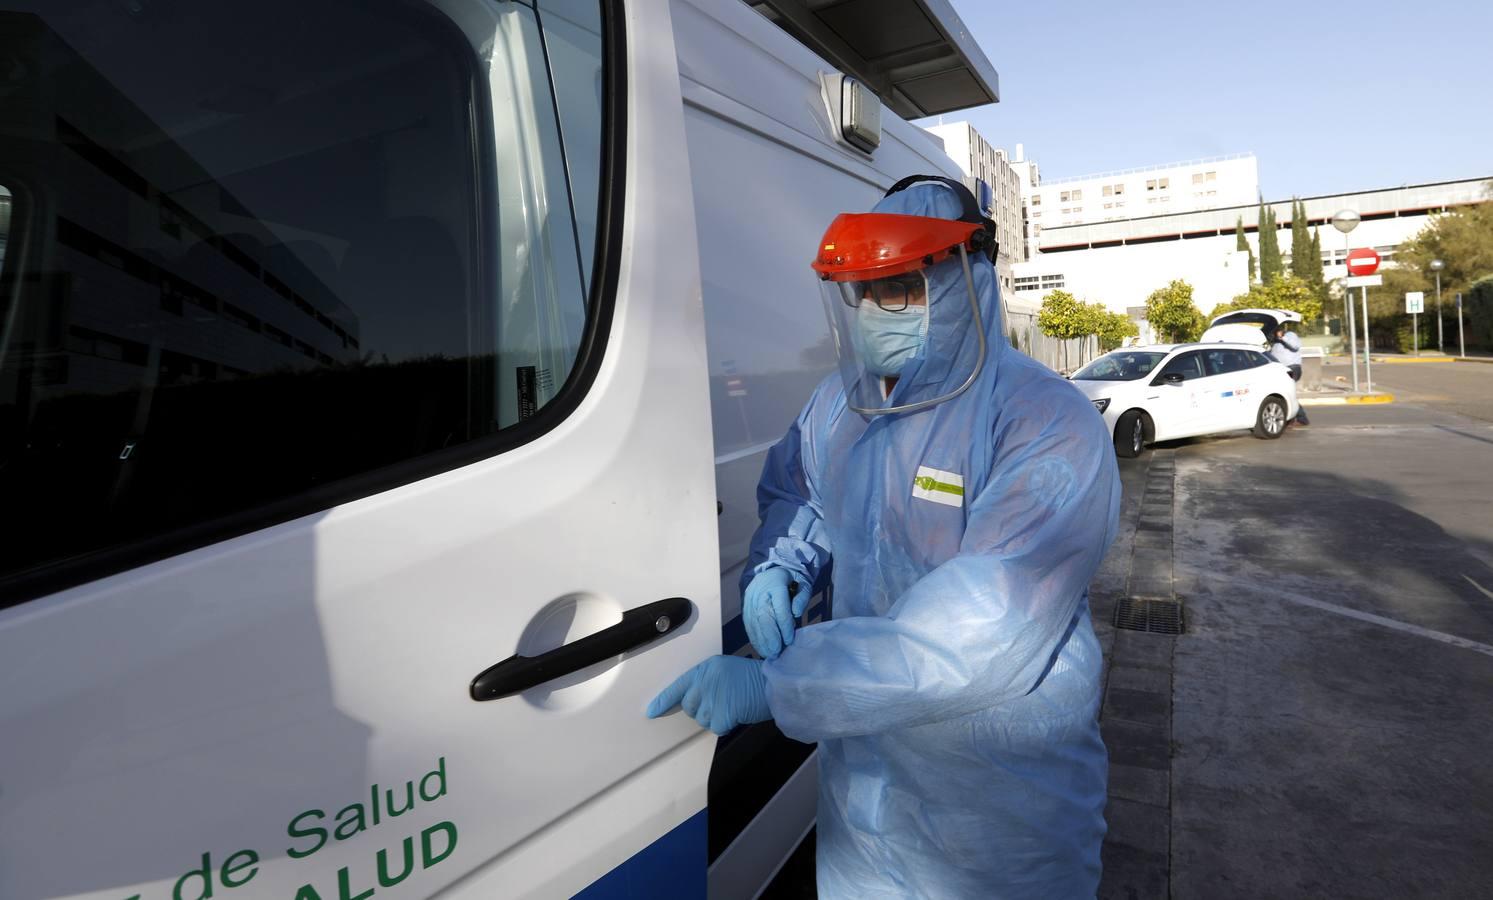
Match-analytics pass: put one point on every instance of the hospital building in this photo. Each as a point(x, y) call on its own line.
point(1114, 237)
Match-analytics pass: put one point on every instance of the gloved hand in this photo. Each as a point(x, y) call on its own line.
point(719, 693)
point(768, 611)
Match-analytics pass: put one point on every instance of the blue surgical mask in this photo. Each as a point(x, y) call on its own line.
point(887, 340)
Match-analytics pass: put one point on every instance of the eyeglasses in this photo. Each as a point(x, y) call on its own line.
point(893, 294)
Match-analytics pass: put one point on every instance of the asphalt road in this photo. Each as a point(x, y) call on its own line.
point(1461, 388)
point(1332, 697)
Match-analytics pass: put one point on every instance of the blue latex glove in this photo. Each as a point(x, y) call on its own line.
point(720, 693)
point(769, 613)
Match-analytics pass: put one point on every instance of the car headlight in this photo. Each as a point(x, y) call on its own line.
point(1101, 405)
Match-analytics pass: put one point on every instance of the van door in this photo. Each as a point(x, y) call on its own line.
point(339, 369)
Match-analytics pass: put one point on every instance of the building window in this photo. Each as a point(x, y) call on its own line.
point(1036, 199)
point(1109, 206)
point(1119, 189)
point(1077, 195)
point(1212, 176)
point(1197, 177)
point(1064, 196)
point(1109, 190)
point(1037, 214)
point(1150, 184)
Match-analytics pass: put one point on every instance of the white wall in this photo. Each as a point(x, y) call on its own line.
point(1122, 277)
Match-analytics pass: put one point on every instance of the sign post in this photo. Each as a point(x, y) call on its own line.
point(1364, 261)
point(1415, 304)
point(1461, 338)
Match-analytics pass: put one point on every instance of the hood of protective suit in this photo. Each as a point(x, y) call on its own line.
point(952, 349)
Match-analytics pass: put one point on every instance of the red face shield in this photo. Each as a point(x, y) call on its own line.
point(869, 246)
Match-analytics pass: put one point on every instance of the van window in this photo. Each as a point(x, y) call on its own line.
point(263, 260)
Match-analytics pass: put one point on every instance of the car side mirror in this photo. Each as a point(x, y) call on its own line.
point(1174, 378)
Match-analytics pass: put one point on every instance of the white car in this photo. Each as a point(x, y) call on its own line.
point(1164, 392)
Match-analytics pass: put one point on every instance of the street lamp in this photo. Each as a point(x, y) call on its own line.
point(1436, 266)
point(1345, 221)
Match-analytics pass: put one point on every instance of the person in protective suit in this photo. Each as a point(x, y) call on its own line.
point(966, 495)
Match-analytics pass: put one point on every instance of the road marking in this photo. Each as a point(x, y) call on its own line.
point(1395, 624)
point(1487, 593)
point(1464, 434)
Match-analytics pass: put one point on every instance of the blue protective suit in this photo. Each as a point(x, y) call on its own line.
point(954, 695)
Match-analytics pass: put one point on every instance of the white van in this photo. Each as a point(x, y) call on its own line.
point(383, 390)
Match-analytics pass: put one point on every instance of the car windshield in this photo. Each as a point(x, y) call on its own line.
point(1121, 366)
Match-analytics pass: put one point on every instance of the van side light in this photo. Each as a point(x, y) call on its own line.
point(854, 111)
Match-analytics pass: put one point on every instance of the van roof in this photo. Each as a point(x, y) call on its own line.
point(871, 41)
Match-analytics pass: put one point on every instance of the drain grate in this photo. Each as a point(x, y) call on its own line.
point(1152, 616)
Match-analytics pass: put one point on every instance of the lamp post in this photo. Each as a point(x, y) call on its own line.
point(1436, 266)
point(1345, 221)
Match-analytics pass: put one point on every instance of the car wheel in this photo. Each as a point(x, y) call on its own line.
point(1130, 434)
point(1270, 423)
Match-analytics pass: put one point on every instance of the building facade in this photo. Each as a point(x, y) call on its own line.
point(1221, 181)
point(1119, 263)
point(989, 174)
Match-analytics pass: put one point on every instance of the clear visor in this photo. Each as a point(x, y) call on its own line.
point(881, 332)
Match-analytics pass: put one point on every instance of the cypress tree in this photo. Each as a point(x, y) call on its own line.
point(1318, 279)
point(1301, 243)
point(1241, 244)
point(1271, 266)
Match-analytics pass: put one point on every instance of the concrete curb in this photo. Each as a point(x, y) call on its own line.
point(1397, 361)
point(1360, 400)
point(1485, 360)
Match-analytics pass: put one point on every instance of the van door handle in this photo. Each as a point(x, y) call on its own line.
point(639, 626)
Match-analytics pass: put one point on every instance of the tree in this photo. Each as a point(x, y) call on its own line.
point(1288, 292)
point(1463, 240)
point(1063, 317)
point(1241, 244)
point(1271, 266)
point(1113, 328)
point(1317, 279)
point(1301, 243)
point(1172, 313)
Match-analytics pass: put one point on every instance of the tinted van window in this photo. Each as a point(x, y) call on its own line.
point(272, 246)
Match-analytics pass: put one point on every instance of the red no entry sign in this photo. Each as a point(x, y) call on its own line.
point(1363, 261)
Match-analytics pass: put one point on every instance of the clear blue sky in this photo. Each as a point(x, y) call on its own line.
point(1092, 86)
